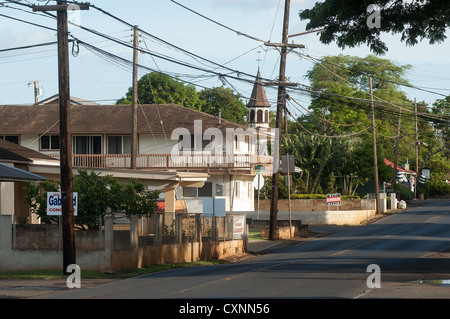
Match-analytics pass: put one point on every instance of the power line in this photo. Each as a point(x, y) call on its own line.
point(318, 61)
point(30, 46)
point(325, 136)
point(218, 23)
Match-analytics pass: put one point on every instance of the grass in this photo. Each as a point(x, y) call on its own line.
point(87, 274)
point(255, 233)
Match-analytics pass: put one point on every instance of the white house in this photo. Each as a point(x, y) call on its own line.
point(185, 146)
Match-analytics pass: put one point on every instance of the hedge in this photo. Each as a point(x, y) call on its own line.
point(321, 196)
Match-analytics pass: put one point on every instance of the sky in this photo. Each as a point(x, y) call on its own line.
point(94, 78)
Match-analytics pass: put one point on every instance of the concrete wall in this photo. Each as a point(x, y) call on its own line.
point(332, 217)
point(308, 205)
point(316, 212)
point(109, 258)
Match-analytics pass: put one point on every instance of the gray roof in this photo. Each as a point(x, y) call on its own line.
point(54, 99)
point(12, 174)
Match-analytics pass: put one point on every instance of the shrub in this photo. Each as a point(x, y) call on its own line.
point(404, 192)
point(320, 196)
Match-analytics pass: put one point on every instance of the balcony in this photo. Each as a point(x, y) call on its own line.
point(190, 162)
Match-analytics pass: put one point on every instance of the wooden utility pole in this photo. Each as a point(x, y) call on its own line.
point(279, 117)
point(397, 140)
point(36, 90)
point(134, 135)
point(375, 158)
point(416, 142)
point(68, 229)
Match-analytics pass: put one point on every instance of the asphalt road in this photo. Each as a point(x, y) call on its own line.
point(407, 248)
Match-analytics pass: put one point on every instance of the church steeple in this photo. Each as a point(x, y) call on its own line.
point(258, 105)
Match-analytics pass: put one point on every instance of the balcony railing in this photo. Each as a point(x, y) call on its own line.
point(169, 161)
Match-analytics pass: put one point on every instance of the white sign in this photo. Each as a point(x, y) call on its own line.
point(238, 227)
point(258, 182)
point(217, 210)
point(333, 199)
point(54, 204)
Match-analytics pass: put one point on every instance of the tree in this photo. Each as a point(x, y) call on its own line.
point(345, 21)
point(220, 98)
point(36, 198)
point(136, 200)
point(97, 197)
point(158, 88)
point(341, 108)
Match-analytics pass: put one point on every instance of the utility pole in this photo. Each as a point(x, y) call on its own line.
point(69, 253)
point(416, 142)
point(397, 140)
point(134, 140)
point(279, 117)
point(36, 90)
point(375, 158)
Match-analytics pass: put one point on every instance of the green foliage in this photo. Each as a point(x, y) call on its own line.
point(345, 22)
point(158, 88)
point(438, 188)
point(36, 198)
point(320, 196)
point(308, 196)
point(404, 192)
point(223, 99)
point(136, 200)
point(97, 197)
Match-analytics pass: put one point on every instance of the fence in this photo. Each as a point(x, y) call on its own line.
point(122, 242)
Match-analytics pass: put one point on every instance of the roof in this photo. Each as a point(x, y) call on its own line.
point(13, 174)
point(54, 99)
point(106, 119)
point(12, 152)
point(258, 97)
point(399, 168)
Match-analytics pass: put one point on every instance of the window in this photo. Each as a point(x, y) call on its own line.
point(252, 116)
point(238, 190)
point(192, 143)
point(119, 144)
point(10, 138)
point(259, 116)
point(50, 142)
point(87, 145)
point(205, 191)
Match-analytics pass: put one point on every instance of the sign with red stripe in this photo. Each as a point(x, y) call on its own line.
point(333, 199)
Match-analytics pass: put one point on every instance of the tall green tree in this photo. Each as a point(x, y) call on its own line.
point(158, 88)
point(345, 21)
point(224, 100)
point(342, 108)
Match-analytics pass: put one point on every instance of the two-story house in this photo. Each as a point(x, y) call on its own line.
point(216, 154)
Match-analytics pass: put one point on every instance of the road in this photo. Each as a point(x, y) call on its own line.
point(407, 247)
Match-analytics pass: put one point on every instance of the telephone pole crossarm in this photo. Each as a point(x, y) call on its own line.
point(61, 7)
point(285, 45)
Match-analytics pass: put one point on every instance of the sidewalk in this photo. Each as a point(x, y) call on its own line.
point(257, 246)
